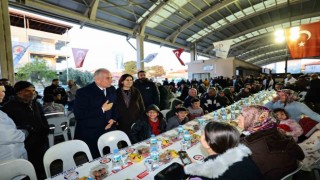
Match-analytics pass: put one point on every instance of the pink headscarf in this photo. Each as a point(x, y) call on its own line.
point(257, 118)
point(290, 94)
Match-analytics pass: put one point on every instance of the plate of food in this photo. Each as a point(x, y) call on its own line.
point(135, 157)
point(143, 150)
point(165, 142)
point(233, 123)
point(195, 138)
point(167, 155)
point(99, 172)
point(190, 131)
point(174, 137)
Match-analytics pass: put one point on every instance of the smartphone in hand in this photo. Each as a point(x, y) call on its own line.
point(184, 157)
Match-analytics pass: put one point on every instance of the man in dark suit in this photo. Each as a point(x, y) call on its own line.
point(93, 109)
point(149, 91)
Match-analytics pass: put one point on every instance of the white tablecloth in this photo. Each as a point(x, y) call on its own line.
point(136, 169)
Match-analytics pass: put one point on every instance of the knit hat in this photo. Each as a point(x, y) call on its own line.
point(153, 107)
point(21, 85)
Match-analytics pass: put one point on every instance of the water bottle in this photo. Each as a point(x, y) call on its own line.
point(224, 117)
point(233, 115)
point(200, 121)
point(116, 160)
point(153, 141)
point(66, 109)
point(154, 154)
point(215, 116)
point(187, 138)
point(180, 132)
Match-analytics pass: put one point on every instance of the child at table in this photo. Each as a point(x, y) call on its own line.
point(195, 110)
point(228, 159)
point(152, 122)
point(179, 119)
point(288, 126)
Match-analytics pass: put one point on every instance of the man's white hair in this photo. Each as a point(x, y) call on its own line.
point(99, 71)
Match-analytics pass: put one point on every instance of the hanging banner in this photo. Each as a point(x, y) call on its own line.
point(178, 53)
point(150, 57)
point(222, 48)
point(79, 55)
point(18, 50)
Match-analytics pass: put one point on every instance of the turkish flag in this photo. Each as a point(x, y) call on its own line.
point(178, 52)
point(308, 42)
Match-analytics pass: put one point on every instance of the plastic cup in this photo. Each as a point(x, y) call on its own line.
point(149, 164)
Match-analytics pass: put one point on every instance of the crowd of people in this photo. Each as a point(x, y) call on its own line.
point(265, 148)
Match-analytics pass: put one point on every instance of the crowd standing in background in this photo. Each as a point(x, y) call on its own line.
point(135, 108)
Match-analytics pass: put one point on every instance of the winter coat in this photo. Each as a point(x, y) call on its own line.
point(172, 111)
point(275, 154)
point(142, 130)
point(127, 116)
point(208, 103)
point(313, 93)
point(165, 97)
point(235, 163)
point(91, 120)
point(149, 92)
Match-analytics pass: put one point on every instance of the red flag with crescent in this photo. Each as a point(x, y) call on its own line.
point(79, 55)
point(305, 41)
point(178, 52)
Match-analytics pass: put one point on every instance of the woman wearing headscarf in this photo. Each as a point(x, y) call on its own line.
point(129, 104)
point(286, 99)
point(275, 154)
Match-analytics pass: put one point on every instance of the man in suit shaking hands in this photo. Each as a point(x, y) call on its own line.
point(93, 109)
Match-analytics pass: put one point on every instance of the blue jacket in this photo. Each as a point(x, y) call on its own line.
point(90, 118)
point(295, 110)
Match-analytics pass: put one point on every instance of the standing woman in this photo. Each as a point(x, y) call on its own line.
point(129, 103)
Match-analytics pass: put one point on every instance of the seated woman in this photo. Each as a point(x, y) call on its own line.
point(228, 159)
point(275, 154)
point(286, 100)
point(152, 122)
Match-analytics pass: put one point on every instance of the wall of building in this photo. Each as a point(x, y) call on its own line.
point(44, 48)
point(220, 67)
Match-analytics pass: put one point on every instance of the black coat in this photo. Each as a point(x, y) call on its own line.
point(165, 97)
point(235, 163)
point(149, 92)
point(141, 130)
point(129, 115)
point(90, 118)
point(313, 94)
point(208, 103)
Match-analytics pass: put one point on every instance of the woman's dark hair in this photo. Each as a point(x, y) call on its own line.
point(221, 136)
point(122, 78)
point(281, 110)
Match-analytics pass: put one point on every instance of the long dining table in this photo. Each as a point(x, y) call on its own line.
point(137, 170)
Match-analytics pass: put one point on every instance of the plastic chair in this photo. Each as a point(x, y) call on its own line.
point(17, 167)
point(164, 112)
point(111, 140)
point(72, 124)
point(65, 152)
point(289, 176)
point(60, 123)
